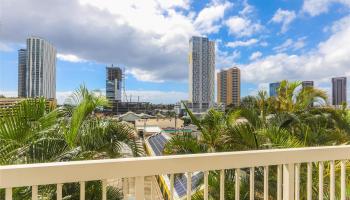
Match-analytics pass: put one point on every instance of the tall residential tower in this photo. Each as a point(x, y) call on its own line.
point(22, 63)
point(338, 90)
point(40, 69)
point(201, 73)
point(274, 89)
point(113, 83)
point(306, 84)
point(229, 86)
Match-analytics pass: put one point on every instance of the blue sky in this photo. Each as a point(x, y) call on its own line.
point(269, 40)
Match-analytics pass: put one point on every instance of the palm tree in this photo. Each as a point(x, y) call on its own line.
point(25, 128)
point(290, 99)
point(287, 121)
point(86, 132)
point(32, 133)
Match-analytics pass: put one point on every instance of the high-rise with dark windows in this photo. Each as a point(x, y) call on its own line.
point(22, 63)
point(113, 83)
point(338, 90)
point(306, 84)
point(274, 89)
point(201, 73)
point(40, 68)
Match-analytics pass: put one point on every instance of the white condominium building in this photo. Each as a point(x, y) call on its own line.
point(201, 73)
point(40, 68)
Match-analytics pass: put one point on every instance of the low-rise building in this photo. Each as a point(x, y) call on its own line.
point(161, 122)
point(8, 104)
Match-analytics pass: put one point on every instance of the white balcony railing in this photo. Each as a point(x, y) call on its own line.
point(287, 160)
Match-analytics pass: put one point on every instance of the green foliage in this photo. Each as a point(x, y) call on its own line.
point(187, 121)
point(32, 133)
point(297, 117)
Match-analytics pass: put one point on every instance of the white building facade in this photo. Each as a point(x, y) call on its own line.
point(201, 73)
point(40, 69)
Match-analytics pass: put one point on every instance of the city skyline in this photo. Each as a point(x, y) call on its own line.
point(280, 46)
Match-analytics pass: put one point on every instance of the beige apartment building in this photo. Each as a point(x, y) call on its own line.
point(229, 86)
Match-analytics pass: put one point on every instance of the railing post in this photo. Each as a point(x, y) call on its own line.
point(332, 181)
point(125, 188)
point(140, 188)
point(34, 192)
point(222, 184)
point(59, 191)
point(189, 185)
point(288, 181)
point(297, 181)
point(171, 187)
point(104, 189)
point(343, 180)
point(82, 190)
point(8, 194)
point(206, 174)
point(279, 182)
point(237, 183)
point(309, 181)
point(266, 182)
point(320, 181)
point(251, 186)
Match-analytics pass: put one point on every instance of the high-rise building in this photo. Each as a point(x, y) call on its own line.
point(338, 90)
point(22, 63)
point(40, 68)
point(201, 73)
point(307, 84)
point(274, 88)
point(229, 86)
point(114, 83)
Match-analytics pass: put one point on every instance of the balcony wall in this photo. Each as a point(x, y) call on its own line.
point(287, 161)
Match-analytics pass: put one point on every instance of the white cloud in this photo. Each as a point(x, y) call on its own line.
point(330, 58)
point(142, 75)
point(166, 4)
point(299, 44)
point(147, 15)
point(285, 17)
point(255, 55)
point(225, 59)
point(291, 45)
point(5, 48)
point(317, 7)
point(70, 58)
point(247, 8)
point(62, 96)
point(208, 19)
point(242, 43)
point(241, 26)
point(150, 35)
